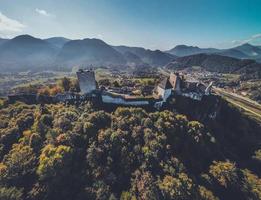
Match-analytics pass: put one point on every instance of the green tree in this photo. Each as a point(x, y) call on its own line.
point(225, 173)
point(11, 193)
point(20, 165)
point(55, 162)
point(144, 186)
point(180, 187)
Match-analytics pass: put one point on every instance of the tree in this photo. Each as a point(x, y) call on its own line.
point(206, 194)
point(55, 162)
point(180, 188)
point(65, 83)
point(56, 180)
point(144, 186)
point(251, 185)
point(20, 165)
point(8, 137)
point(11, 193)
point(225, 173)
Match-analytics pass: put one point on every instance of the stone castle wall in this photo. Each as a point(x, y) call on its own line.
point(87, 81)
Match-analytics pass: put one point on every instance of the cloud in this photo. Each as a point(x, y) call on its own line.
point(10, 25)
point(253, 39)
point(43, 12)
point(100, 36)
point(257, 36)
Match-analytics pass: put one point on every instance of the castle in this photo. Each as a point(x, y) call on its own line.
point(173, 84)
point(169, 85)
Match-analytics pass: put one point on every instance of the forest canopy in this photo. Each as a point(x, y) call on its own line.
point(60, 151)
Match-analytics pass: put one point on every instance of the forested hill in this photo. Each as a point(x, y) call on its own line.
point(69, 152)
point(217, 63)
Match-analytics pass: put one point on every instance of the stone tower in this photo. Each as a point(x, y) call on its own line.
point(87, 81)
point(175, 81)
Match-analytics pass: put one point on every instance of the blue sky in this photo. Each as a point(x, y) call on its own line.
point(155, 24)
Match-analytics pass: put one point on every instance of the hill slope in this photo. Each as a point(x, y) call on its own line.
point(2, 41)
point(57, 41)
point(25, 51)
point(152, 58)
point(218, 63)
point(89, 52)
point(249, 50)
point(183, 50)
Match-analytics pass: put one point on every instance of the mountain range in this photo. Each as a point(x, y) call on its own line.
point(27, 52)
point(244, 51)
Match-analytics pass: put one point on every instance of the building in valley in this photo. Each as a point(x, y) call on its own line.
point(178, 85)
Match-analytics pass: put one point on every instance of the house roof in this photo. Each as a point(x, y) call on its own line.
point(174, 78)
point(165, 84)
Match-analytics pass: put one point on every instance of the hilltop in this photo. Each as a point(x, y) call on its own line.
point(218, 63)
point(25, 52)
point(88, 52)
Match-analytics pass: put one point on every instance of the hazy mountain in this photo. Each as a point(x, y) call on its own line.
point(184, 50)
point(57, 41)
point(243, 51)
point(89, 52)
point(133, 60)
point(152, 58)
point(25, 51)
point(250, 50)
point(218, 63)
point(232, 53)
point(2, 41)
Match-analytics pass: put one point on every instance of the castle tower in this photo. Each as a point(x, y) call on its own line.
point(175, 81)
point(86, 80)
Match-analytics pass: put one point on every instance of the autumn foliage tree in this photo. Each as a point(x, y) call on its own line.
point(79, 152)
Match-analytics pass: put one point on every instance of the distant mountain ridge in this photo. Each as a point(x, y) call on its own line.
point(27, 52)
point(57, 41)
point(183, 50)
point(244, 51)
point(149, 57)
point(88, 52)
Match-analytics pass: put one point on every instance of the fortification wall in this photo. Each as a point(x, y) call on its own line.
point(121, 101)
